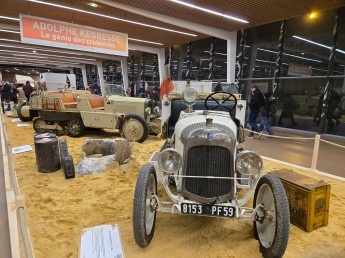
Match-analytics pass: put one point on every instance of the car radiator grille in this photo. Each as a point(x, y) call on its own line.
point(208, 161)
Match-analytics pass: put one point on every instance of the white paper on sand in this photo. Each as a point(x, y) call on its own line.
point(21, 149)
point(101, 242)
point(16, 120)
point(22, 125)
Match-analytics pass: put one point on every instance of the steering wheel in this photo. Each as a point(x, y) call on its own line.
point(221, 102)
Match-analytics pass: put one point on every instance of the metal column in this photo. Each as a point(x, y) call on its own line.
point(130, 89)
point(171, 53)
point(212, 60)
point(155, 94)
point(329, 83)
point(189, 60)
point(239, 63)
point(142, 76)
point(278, 68)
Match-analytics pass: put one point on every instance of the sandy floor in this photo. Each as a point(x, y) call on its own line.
point(58, 210)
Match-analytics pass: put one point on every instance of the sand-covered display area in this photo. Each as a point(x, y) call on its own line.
point(57, 210)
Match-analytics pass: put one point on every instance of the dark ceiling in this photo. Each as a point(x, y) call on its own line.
point(256, 12)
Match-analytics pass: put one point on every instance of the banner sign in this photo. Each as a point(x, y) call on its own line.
point(299, 70)
point(46, 32)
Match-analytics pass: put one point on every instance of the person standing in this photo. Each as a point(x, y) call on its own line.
point(289, 108)
point(255, 104)
point(27, 88)
point(266, 114)
point(6, 96)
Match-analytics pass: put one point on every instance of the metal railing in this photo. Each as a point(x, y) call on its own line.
point(316, 146)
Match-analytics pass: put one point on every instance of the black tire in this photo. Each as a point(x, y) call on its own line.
point(272, 230)
point(75, 127)
point(38, 122)
point(135, 128)
point(144, 215)
point(19, 114)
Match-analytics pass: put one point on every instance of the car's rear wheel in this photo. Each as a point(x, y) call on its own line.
point(75, 127)
point(145, 205)
point(272, 222)
point(37, 124)
point(135, 128)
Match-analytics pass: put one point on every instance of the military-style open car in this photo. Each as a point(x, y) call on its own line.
point(202, 171)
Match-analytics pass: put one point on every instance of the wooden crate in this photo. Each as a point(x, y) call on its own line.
point(308, 199)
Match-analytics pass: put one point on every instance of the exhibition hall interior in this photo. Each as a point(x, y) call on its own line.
point(120, 117)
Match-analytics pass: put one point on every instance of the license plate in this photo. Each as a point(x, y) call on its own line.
point(209, 210)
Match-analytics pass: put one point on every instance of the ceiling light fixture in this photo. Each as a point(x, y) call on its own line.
point(145, 41)
point(112, 17)
point(40, 49)
point(10, 31)
point(9, 18)
point(39, 54)
point(285, 54)
point(265, 61)
point(209, 11)
point(317, 44)
point(10, 40)
point(312, 15)
point(93, 5)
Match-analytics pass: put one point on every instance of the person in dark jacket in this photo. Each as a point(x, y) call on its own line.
point(27, 88)
point(266, 114)
point(6, 96)
point(14, 93)
point(289, 108)
point(255, 104)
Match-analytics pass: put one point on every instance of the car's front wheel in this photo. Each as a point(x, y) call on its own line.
point(23, 105)
point(135, 128)
point(272, 222)
point(145, 205)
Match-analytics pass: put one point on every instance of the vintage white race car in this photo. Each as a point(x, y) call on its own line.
point(205, 173)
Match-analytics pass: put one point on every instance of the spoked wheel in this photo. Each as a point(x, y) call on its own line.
point(145, 205)
point(272, 222)
point(221, 103)
point(75, 127)
point(135, 128)
point(37, 124)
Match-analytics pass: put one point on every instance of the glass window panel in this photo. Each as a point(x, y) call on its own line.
point(261, 51)
point(307, 43)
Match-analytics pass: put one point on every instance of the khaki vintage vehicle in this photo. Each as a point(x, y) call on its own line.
point(71, 112)
point(202, 171)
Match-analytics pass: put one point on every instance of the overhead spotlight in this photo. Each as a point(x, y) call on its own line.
point(312, 15)
point(34, 51)
point(93, 4)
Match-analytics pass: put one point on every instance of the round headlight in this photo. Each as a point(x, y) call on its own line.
point(170, 160)
point(248, 163)
point(189, 96)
